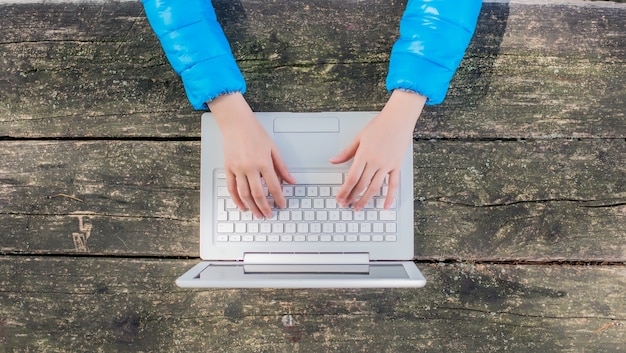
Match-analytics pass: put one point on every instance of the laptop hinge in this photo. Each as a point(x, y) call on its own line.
point(306, 258)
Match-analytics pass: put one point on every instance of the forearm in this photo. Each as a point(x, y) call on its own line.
point(231, 111)
point(406, 105)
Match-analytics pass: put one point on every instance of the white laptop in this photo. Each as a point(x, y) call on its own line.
point(313, 242)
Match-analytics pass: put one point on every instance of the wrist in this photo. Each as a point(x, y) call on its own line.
point(409, 99)
point(230, 110)
point(223, 102)
point(405, 105)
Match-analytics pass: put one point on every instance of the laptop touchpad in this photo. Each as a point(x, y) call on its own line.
point(307, 142)
point(288, 125)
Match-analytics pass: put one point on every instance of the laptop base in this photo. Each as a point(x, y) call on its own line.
point(236, 274)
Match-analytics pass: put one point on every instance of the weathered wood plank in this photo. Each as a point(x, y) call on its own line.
point(474, 200)
point(89, 304)
point(533, 70)
point(535, 231)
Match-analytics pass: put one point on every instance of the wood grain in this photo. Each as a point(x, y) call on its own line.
point(523, 164)
point(102, 73)
point(526, 200)
point(94, 304)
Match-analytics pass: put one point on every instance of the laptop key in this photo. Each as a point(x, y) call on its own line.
point(225, 227)
point(387, 215)
point(300, 191)
point(290, 227)
point(230, 204)
point(253, 227)
point(240, 227)
point(222, 191)
point(391, 237)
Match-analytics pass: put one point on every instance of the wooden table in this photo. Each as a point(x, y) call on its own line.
point(520, 182)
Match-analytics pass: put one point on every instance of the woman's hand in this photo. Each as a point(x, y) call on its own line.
point(378, 150)
point(249, 155)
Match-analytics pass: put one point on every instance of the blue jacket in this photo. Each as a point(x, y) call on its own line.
point(433, 37)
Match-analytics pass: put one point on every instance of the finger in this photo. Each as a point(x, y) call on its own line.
point(394, 181)
point(372, 189)
point(281, 168)
point(231, 185)
point(347, 153)
point(246, 195)
point(274, 187)
point(258, 195)
point(353, 177)
point(359, 188)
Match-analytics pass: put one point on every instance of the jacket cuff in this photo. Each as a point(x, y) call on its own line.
point(419, 75)
point(212, 78)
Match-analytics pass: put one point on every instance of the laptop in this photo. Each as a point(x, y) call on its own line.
point(313, 242)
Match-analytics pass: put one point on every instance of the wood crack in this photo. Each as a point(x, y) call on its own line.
point(582, 202)
point(500, 312)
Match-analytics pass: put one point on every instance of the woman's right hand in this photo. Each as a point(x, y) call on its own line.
point(249, 155)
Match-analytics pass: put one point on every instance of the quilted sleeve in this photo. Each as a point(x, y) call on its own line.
point(433, 37)
point(196, 47)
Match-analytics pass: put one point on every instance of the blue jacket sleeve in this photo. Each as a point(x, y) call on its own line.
point(196, 47)
point(433, 37)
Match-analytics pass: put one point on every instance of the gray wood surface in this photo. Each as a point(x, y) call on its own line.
point(54, 304)
point(473, 200)
point(532, 71)
point(520, 182)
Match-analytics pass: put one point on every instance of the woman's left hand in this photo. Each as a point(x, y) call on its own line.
point(378, 150)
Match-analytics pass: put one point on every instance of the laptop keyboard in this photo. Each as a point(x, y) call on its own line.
point(311, 214)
